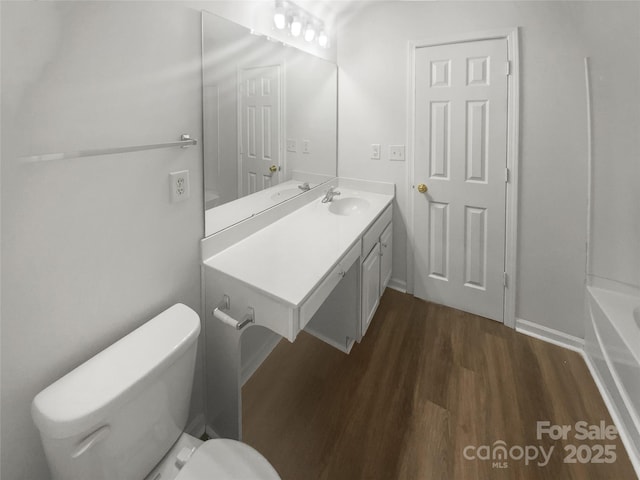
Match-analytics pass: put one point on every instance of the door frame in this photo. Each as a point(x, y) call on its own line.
point(513, 150)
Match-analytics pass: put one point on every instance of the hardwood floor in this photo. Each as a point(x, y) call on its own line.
point(425, 382)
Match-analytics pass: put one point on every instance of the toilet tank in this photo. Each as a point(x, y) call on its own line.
point(115, 416)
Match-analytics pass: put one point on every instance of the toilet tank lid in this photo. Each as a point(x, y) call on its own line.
point(80, 399)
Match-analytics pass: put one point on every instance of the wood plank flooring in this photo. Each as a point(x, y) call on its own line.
point(425, 382)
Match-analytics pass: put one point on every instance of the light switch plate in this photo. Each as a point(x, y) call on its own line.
point(291, 145)
point(375, 151)
point(306, 146)
point(396, 153)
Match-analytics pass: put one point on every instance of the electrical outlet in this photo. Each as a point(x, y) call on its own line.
point(291, 145)
point(306, 147)
point(396, 152)
point(375, 151)
point(179, 184)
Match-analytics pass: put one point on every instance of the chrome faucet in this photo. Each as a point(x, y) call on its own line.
point(304, 187)
point(329, 195)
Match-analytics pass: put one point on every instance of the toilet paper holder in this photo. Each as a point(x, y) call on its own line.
point(224, 317)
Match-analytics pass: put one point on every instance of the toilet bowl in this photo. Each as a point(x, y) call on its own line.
point(121, 414)
point(220, 458)
point(228, 459)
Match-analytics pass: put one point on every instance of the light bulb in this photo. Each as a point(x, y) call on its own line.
point(280, 18)
point(323, 39)
point(296, 26)
point(309, 33)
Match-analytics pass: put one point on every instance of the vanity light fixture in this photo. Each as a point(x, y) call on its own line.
point(323, 39)
point(280, 18)
point(288, 16)
point(309, 32)
point(296, 26)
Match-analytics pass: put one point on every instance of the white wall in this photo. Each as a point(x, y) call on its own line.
point(91, 247)
point(311, 113)
point(612, 30)
point(372, 55)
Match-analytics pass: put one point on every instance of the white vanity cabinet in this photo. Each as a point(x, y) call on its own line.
point(370, 286)
point(386, 252)
point(376, 266)
point(302, 265)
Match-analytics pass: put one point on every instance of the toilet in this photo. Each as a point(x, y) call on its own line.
point(121, 414)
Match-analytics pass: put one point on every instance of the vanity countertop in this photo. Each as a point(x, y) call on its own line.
point(287, 259)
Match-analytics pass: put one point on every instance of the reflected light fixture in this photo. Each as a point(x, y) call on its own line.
point(296, 26)
point(288, 16)
point(323, 39)
point(309, 32)
point(280, 16)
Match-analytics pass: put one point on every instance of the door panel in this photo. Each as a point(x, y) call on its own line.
point(260, 127)
point(460, 154)
point(440, 140)
point(438, 240)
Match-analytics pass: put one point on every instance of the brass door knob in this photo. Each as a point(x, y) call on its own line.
point(273, 169)
point(422, 188)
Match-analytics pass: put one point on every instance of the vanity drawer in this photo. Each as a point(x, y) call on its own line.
point(373, 234)
point(311, 305)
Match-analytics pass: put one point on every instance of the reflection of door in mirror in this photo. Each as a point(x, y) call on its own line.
point(288, 123)
point(260, 120)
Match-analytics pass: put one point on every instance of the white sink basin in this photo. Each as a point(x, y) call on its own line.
point(348, 206)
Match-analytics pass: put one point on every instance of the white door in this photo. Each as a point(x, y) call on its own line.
point(461, 157)
point(260, 128)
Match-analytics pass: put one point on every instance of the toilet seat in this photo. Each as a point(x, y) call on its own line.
point(226, 459)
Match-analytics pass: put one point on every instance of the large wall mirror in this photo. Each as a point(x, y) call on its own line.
point(269, 122)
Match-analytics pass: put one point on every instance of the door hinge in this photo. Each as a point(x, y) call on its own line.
point(505, 280)
point(507, 67)
point(507, 175)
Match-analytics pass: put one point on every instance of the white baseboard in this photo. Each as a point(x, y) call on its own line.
point(550, 335)
point(399, 285)
point(252, 363)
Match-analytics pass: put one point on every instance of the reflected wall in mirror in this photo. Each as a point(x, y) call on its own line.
point(269, 122)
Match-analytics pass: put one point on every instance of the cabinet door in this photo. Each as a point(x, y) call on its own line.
point(370, 286)
point(386, 250)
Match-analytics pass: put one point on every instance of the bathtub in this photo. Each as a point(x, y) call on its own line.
point(612, 348)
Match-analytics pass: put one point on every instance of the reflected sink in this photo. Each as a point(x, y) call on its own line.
point(285, 194)
point(348, 206)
